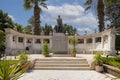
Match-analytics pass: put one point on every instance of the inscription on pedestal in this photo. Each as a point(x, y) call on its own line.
point(59, 43)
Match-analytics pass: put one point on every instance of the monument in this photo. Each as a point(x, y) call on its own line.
point(59, 40)
point(59, 27)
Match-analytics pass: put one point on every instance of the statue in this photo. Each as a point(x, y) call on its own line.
point(59, 26)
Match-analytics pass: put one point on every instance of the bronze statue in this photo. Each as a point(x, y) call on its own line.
point(59, 26)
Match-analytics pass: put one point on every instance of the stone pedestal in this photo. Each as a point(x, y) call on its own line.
point(60, 43)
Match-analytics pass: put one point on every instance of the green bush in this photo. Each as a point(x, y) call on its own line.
point(45, 50)
point(23, 56)
point(98, 59)
point(116, 64)
point(10, 70)
point(117, 58)
point(106, 60)
point(113, 61)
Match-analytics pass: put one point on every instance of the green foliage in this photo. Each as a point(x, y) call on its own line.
point(113, 61)
point(36, 4)
point(117, 42)
point(45, 50)
point(115, 64)
point(74, 50)
point(2, 41)
point(4, 18)
point(19, 27)
point(98, 6)
point(69, 29)
point(112, 14)
point(98, 59)
point(73, 41)
point(117, 58)
point(106, 60)
point(47, 29)
point(10, 71)
point(23, 56)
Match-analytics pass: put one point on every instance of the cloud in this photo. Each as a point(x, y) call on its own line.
point(72, 14)
point(13, 19)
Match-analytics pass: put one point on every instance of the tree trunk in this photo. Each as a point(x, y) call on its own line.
point(37, 19)
point(100, 10)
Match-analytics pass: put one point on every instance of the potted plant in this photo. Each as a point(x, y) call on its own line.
point(73, 41)
point(73, 52)
point(98, 62)
point(45, 50)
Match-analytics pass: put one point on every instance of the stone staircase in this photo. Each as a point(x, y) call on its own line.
point(61, 64)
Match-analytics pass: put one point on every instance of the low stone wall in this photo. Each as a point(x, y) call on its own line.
point(112, 70)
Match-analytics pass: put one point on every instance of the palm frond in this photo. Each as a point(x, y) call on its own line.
point(88, 2)
point(44, 5)
point(43, 0)
point(27, 4)
point(86, 9)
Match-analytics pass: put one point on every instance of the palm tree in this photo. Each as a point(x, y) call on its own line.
point(28, 4)
point(100, 10)
point(5, 21)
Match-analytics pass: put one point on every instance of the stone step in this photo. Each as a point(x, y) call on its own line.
point(62, 59)
point(61, 68)
point(62, 62)
point(62, 65)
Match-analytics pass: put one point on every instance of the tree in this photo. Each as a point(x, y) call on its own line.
point(113, 14)
point(47, 29)
point(28, 29)
point(2, 42)
point(69, 29)
point(5, 21)
point(28, 4)
point(100, 11)
point(19, 27)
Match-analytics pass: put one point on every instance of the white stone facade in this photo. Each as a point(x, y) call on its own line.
point(88, 43)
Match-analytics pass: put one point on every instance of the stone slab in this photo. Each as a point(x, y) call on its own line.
point(59, 43)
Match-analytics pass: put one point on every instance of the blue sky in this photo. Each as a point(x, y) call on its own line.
point(71, 11)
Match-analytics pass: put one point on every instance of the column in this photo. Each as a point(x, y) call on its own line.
point(112, 44)
point(85, 41)
point(9, 40)
point(16, 41)
point(102, 42)
point(93, 44)
point(9, 43)
point(50, 44)
point(42, 42)
point(24, 42)
point(33, 42)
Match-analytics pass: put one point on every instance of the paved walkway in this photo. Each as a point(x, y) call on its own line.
point(65, 74)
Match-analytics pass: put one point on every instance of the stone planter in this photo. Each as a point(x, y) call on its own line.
point(112, 70)
point(99, 68)
point(73, 54)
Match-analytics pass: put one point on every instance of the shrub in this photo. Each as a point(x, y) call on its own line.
point(106, 60)
point(117, 58)
point(23, 56)
point(45, 50)
point(10, 71)
point(98, 59)
point(114, 63)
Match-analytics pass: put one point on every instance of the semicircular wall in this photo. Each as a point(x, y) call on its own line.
point(87, 43)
